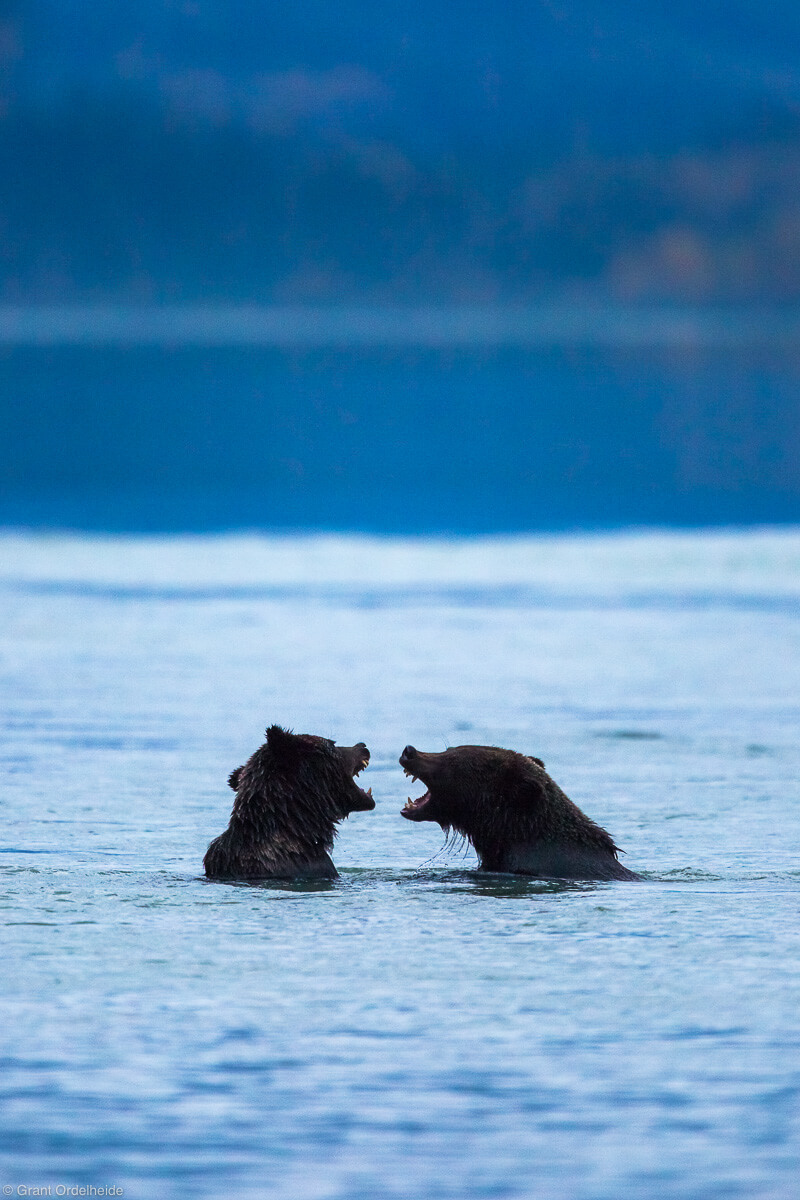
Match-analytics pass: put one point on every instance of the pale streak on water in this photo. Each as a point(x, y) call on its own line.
point(413, 1029)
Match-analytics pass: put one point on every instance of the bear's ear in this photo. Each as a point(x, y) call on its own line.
point(283, 744)
point(234, 778)
point(538, 761)
point(521, 788)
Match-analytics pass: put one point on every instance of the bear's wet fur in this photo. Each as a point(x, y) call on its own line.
point(516, 816)
point(289, 796)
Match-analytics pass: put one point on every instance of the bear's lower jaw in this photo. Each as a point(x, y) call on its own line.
point(364, 802)
point(414, 810)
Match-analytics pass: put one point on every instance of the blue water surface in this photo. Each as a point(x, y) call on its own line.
point(414, 1028)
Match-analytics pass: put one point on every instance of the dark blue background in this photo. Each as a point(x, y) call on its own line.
point(409, 441)
point(160, 153)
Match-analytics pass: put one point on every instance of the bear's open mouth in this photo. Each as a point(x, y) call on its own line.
point(359, 762)
point(413, 808)
point(414, 769)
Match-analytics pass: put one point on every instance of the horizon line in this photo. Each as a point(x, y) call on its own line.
point(583, 323)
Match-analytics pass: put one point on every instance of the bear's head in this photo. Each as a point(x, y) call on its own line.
point(301, 777)
point(308, 761)
point(290, 795)
point(466, 784)
point(498, 799)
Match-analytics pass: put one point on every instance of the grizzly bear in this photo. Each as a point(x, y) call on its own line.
point(516, 816)
point(289, 796)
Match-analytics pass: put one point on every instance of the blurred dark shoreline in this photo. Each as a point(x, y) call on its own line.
point(162, 153)
point(104, 200)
